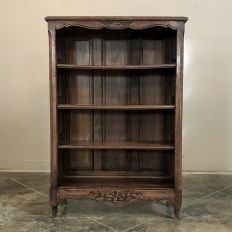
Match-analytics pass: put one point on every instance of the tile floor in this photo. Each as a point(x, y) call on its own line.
point(24, 206)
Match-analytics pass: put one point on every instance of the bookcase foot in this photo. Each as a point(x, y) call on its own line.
point(54, 210)
point(177, 212)
point(168, 204)
point(177, 203)
point(64, 202)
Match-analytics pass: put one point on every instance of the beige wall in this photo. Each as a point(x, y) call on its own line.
point(24, 96)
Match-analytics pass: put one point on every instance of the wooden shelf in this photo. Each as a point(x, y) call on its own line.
point(115, 107)
point(115, 67)
point(116, 145)
point(130, 174)
point(116, 182)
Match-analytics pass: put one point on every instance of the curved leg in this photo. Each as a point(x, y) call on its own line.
point(53, 201)
point(54, 210)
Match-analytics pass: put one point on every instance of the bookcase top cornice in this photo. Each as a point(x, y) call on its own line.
point(114, 22)
point(126, 18)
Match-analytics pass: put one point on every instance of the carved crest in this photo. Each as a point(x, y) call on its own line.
point(116, 24)
point(115, 197)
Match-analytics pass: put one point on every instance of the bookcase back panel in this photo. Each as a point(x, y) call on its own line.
point(72, 122)
point(152, 91)
point(106, 126)
point(128, 87)
point(155, 45)
point(115, 93)
point(113, 47)
point(78, 160)
point(113, 87)
point(79, 92)
point(157, 163)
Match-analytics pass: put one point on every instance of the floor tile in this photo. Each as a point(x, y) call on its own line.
point(42, 223)
point(207, 206)
point(9, 187)
point(213, 207)
point(192, 193)
point(32, 180)
point(182, 226)
point(228, 190)
point(212, 182)
point(44, 189)
point(119, 218)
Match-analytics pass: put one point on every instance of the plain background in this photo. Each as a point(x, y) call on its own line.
point(24, 89)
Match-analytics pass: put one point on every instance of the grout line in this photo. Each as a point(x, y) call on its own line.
point(210, 194)
point(23, 191)
point(221, 190)
point(28, 187)
point(138, 225)
point(42, 185)
point(227, 194)
point(95, 220)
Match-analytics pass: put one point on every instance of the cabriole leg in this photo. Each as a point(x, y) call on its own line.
point(53, 201)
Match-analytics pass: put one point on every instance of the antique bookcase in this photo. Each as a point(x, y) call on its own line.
point(116, 109)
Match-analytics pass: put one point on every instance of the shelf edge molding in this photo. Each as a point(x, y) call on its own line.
point(115, 107)
point(115, 67)
point(115, 145)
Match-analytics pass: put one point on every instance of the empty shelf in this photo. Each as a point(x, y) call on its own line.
point(116, 107)
point(115, 67)
point(119, 145)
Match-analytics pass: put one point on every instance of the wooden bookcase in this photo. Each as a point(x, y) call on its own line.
point(116, 109)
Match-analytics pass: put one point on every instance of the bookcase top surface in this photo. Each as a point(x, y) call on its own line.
point(124, 18)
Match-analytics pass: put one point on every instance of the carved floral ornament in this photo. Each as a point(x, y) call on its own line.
point(117, 24)
point(115, 197)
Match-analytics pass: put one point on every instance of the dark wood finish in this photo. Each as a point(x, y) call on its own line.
point(115, 67)
point(116, 109)
point(118, 145)
point(178, 121)
point(53, 119)
point(116, 198)
point(115, 18)
point(128, 174)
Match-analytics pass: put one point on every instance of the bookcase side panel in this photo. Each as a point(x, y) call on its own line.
point(178, 119)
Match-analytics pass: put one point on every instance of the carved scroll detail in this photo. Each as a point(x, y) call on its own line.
point(115, 197)
point(117, 24)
